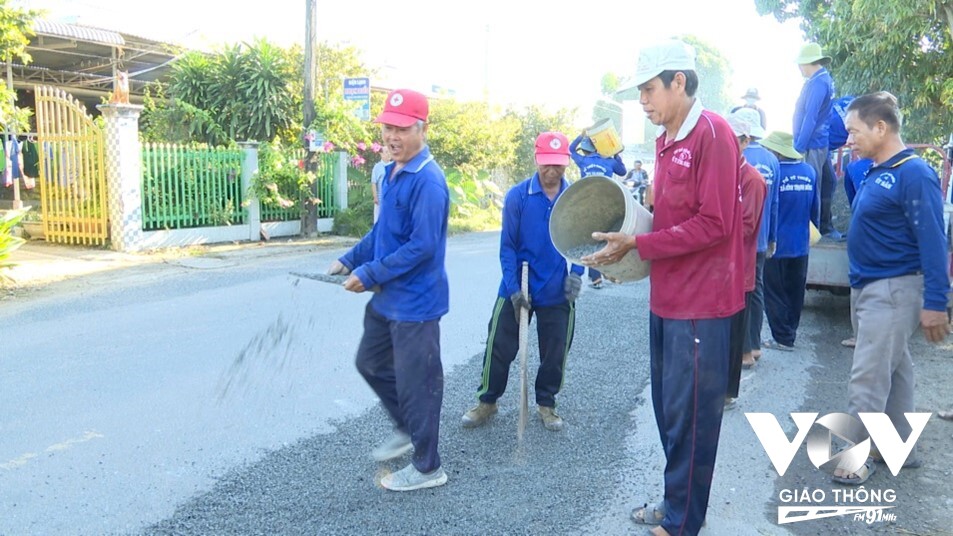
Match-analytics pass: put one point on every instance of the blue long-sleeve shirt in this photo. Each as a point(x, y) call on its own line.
point(854, 173)
point(404, 253)
point(812, 114)
point(595, 164)
point(837, 135)
point(897, 228)
point(525, 237)
point(797, 205)
point(766, 164)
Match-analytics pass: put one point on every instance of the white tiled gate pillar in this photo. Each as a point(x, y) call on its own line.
point(123, 175)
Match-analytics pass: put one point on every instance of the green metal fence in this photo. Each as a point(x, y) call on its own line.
point(324, 175)
point(186, 187)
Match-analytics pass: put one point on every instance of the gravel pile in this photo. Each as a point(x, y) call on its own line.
point(554, 482)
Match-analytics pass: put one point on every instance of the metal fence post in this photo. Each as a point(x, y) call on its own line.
point(249, 169)
point(340, 182)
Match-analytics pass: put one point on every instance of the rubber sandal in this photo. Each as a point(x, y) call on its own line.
point(861, 476)
point(775, 345)
point(649, 514)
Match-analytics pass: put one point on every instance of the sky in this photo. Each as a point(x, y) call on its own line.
point(550, 53)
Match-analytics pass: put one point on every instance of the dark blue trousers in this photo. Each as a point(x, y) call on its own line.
point(554, 327)
point(784, 285)
point(401, 363)
point(689, 379)
point(755, 306)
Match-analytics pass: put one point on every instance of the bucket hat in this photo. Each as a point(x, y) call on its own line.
point(403, 108)
point(752, 93)
point(811, 53)
point(781, 143)
point(751, 120)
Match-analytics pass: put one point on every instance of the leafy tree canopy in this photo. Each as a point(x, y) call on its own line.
point(16, 27)
point(900, 46)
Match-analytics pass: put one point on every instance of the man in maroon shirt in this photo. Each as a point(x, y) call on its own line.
point(697, 279)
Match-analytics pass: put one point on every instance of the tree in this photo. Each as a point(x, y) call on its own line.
point(465, 135)
point(898, 46)
point(533, 121)
point(609, 107)
point(714, 72)
point(16, 27)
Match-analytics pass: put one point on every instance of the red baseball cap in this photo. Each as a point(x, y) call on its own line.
point(552, 149)
point(403, 108)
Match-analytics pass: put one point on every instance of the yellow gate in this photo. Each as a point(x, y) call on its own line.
point(72, 175)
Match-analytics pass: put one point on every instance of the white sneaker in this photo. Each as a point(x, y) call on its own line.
point(409, 479)
point(398, 445)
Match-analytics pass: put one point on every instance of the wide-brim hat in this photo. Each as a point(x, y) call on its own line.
point(751, 120)
point(781, 143)
point(811, 53)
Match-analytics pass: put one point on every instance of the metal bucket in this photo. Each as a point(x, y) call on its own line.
point(599, 204)
point(604, 136)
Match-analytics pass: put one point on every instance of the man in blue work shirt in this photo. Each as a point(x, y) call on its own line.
point(812, 127)
point(766, 164)
point(403, 255)
point(896, 246)
point(552, 291)
point(590, 163)
point(785, 273)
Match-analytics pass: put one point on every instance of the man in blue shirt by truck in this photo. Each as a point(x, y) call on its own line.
point(899, 278)
point(403, 255)
point(552, 288)
point(812, 127)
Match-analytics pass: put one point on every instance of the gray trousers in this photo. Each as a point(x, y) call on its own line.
point(887, 314)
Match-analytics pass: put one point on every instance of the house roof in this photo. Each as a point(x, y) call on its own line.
point(83, 60)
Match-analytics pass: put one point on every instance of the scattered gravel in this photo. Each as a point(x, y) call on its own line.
point(553, 482)
point(581, 251)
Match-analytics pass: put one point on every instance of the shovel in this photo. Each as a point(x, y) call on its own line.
point(524, 335)
point(336, 279)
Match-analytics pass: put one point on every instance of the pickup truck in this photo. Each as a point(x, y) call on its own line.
point(827, 263)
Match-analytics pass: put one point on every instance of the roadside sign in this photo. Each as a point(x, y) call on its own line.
point(358, 90)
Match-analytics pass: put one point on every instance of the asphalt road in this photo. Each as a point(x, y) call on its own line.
point(218, 396)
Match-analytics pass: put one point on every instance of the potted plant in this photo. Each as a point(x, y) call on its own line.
point(32, 223)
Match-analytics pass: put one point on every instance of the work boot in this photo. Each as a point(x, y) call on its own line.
point(478, 415)
point(551, 420)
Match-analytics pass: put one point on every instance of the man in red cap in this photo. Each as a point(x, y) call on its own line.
point(403, 255)
point(552, 288)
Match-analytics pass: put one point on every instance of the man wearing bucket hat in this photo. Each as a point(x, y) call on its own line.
point(753, 192)
point(552, 289)
point(785, 273)
point(697, 279)
point(812, 118)
point(590, 163)
point(751, 98)
point(898, 268)
point(767, 165)
point(399, 353)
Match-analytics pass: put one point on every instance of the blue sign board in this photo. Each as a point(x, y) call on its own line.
point(358, 90)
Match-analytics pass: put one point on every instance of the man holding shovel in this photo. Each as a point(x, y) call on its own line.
point(697, 279)
point(403, 255)
point(552, 289)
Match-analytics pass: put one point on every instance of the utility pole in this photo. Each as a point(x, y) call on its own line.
point(309, 225)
